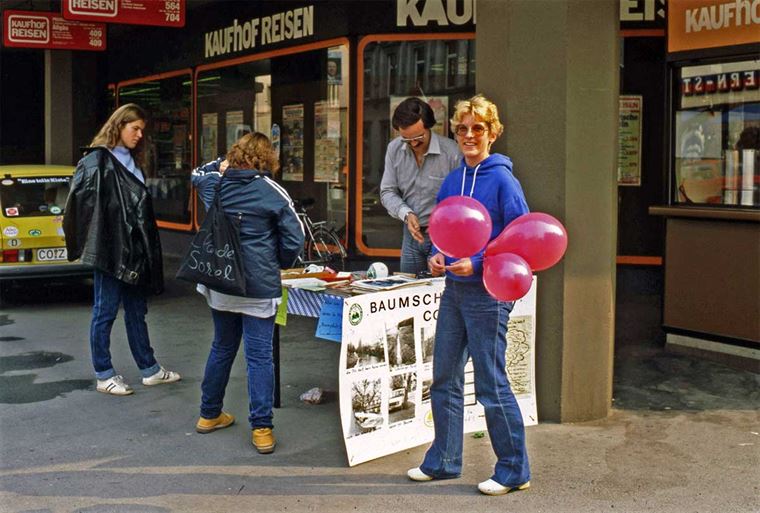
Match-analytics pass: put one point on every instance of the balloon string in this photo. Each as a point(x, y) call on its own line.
point(474, 176)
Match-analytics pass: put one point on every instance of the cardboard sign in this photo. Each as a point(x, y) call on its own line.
point(330, 325)
point(386, 369)
point(48, 30)
point(163, 13)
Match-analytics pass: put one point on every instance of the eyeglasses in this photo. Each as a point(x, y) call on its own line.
point(412, 139)
point(463, 130)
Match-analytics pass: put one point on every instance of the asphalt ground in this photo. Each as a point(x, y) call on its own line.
point(683, 436)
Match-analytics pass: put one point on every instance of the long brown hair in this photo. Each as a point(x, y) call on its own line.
point(254, 151)
point(110, 133)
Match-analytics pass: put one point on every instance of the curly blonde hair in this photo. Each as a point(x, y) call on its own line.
point(110, 133)
point(479, 107)
point(254, 151)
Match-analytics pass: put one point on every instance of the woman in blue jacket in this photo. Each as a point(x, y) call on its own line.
point(470, 321)
point(271, 238)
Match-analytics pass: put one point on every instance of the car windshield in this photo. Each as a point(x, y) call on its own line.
point(34, 196)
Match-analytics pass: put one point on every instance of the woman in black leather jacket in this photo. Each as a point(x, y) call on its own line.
point(109, 223)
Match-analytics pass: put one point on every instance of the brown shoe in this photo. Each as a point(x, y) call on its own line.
point(263, 440)
point(208, 425)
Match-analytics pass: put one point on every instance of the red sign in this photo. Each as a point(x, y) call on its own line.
point(37, 29)
point(165, 13)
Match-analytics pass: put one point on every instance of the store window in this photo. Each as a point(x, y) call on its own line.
point(717, 135)
point(298, 98)
point(168, 102)
point(439, 68)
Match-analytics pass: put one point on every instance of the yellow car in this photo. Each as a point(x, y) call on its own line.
point(32, 203)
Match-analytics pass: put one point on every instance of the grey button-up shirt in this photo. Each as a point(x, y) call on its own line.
point(406, 187)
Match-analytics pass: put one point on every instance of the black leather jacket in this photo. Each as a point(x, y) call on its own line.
point(109, 222)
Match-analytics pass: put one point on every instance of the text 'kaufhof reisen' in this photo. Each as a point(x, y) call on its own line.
point(282, 26)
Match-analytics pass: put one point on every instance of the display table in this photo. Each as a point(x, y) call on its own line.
point(386, 363)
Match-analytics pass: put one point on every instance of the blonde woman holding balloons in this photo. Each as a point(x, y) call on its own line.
point(470, 321)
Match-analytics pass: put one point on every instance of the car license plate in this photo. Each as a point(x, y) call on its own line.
point(51, 254)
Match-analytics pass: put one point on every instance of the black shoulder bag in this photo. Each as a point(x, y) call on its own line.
point(214, 258)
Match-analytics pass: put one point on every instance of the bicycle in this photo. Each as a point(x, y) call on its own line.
point(322, 245)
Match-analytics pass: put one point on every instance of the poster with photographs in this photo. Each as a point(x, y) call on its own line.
point(209, 121)
point(291, 143)
point(386, 369)
point(235, 128)
point(326, 145)
point(440, 106)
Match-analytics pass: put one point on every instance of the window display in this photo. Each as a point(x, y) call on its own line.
point(299, 98)
point(440, 70)
point(717, 135)
point(168, 102)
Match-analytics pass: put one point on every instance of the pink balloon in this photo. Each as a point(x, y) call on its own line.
point(459, 226)
point(507, 276)
point(537, 237)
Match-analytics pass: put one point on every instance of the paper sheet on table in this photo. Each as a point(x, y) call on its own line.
point(305, 283)
point(282, 310)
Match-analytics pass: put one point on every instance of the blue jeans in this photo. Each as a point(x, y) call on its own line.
point(109, 293)
point(414, 256)
point(470, 320)
point(257, 343)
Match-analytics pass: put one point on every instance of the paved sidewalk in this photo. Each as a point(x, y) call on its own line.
point(684, 435)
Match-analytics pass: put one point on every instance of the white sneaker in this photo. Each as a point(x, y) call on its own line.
point(491, 487)
point(115, 385)
point(160, 377)
point(415, 474)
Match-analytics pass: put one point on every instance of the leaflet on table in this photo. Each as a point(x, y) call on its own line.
point(391, 283)
point(386, 369)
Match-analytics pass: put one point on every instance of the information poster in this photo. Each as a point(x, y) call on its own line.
point(49, 30)
point(291, 141)
point(386, 369)
point(162, 13)
point(440, 106)
point(209, 129)
point(326, 145)
point(629, 140)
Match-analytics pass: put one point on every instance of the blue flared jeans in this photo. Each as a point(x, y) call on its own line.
point(471, 322)
point(256, 333)
point(109, 293)
point(414, 255)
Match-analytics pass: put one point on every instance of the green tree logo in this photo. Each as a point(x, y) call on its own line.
point(355, 314)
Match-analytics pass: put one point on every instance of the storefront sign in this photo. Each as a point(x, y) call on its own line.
point(629, 140)
point(283, 26)
point(643, 14)
point(421, 13)
point(695, 24)
point(164, 13)
point(721, 83)
point(48, 30)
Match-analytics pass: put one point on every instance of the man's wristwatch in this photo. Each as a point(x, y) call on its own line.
point(406, 217)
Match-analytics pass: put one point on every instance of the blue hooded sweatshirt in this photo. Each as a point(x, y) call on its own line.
point(492, 183)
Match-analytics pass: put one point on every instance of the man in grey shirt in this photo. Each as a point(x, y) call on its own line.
point(415, 165)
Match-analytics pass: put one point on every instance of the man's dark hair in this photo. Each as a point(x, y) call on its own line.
point(410, 111)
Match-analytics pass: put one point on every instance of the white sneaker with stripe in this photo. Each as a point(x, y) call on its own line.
point(115, 385)
point(160, 377)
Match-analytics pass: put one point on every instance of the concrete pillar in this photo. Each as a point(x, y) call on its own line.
point(552, 68)
point(58, 108)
